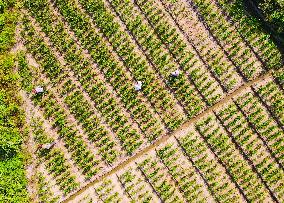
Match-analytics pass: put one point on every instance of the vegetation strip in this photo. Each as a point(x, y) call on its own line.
point(13, 131)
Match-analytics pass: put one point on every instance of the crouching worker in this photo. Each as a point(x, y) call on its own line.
point(175, 74)
point(138, 86)
point(46, 146)
point(173, 77)
point(38, 90)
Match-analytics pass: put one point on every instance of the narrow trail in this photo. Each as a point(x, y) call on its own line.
point(164, 138)
point(32, 166)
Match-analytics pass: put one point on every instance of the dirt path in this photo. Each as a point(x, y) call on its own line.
point(31, 168)
point(164, 138)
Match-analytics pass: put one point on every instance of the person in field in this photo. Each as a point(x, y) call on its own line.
point(46, 146)
point(175, 73)
point(38, 90)
point(138, 86)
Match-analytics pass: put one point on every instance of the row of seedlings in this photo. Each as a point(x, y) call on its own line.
point(74, 142)
point(185, 175)
point(221, 185)
point(99, 49)
point(88, 111)
point(57, 165)
point(44, 189)
point(55, 161)
point(82, 110)
point(84, 113)
point(95, 89)
point(209, 83)
point(254, 147)
point(272, 95)
point(158, 54)
point(155, 173)
point(199, 36)
point(233, 159)
point(127, 185)
point(278, 76)
point(206, 85)
point(263, 122)
point(92, 82)
point(167, 186)
point(92, 124)
point(78, 106)
point(135, 186)
point(110, 190)
point(252, 30)
point(133, 58)
point(229, 38)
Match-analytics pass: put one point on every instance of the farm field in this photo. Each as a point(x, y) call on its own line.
point(212, 133)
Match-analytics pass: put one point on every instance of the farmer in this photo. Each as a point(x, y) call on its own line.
point(138, 86)
point(38, 90)
point(46, 146)
point(175, 73)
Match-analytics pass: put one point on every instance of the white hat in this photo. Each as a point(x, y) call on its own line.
point(138, 86)
point(39, 89)
point(175, 73)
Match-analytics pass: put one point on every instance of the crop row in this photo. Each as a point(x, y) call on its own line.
point(219, 182)
point(263, 122)
point(211, 84)
point(171, 49)
point(44, 190)
point(214, 161)
point(109, 190)
point(136, 187)
point(190, 97)
point(279, 77)
point(102, 17)
point(237, 149)
point(92, 82)
point(49, 63)
point(52, 110)
point(252, 30)
point(272, 95)
point(180, 91)
point(231, 41)
point(210, 164)
point(251, 162)
point(232, 159)
point(101, 53)
point(209, 49)
point(157, 176)
point(254, 147)
point(74, 142)
point(183, 173)
point(54, 161)
point(82, 110)
point(133, 58)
